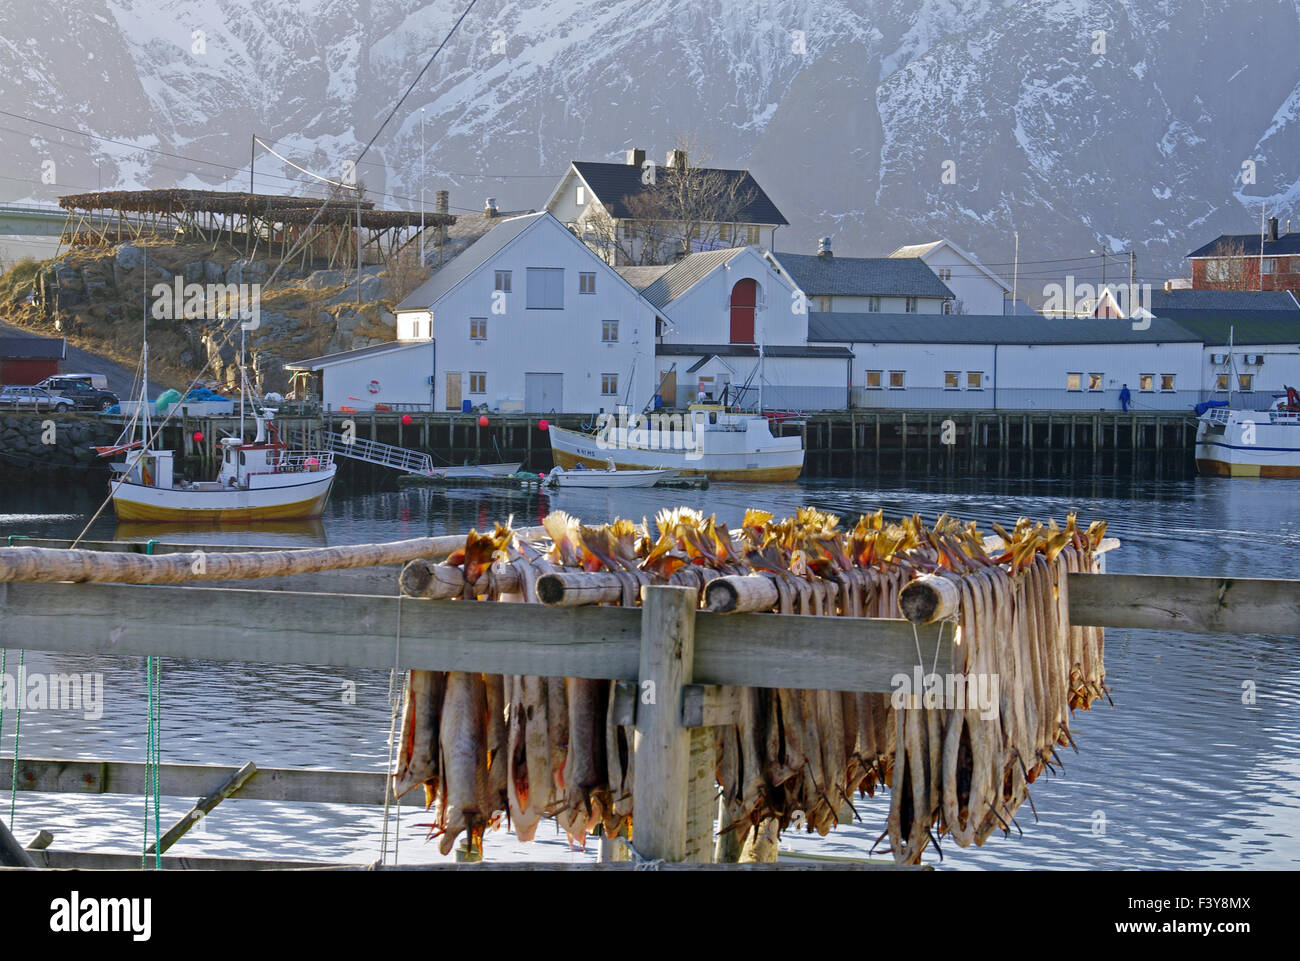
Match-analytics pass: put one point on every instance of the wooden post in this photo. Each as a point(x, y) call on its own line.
point(905, 434)
point(202, 807)
point(662, 747)
point(701, 797)
point(42, 841)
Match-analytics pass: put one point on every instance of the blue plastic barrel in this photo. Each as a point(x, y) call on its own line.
point(466, 407)
point(659, 401)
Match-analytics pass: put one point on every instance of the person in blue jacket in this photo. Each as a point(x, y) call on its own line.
point(1125, 398)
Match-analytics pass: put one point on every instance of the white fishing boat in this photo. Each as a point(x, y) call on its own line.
point(480, 470)
point(1251, 443)
point(611, 476)
point(708, 439)
point(262, 480)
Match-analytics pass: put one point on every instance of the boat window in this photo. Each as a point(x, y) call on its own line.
point(713, 417)
point(242, 461)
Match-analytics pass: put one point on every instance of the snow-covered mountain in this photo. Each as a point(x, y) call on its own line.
point(878, 122)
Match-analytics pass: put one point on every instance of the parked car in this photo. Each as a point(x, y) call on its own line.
point(98, 381)
point(34, 398)
point(81, 393)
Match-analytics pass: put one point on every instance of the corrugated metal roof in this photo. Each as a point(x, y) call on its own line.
point(643, 277)
point(987, 329)
point(1249, 243)
point(1212, 327)
point(685, 274)
point(429, 292)
point(613, 183)
point(344, 356)
point(863, 276)
point(748, 350)
point(32, 347)
point(1248, 300)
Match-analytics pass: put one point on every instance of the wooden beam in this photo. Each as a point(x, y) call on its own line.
point(204, 805)
point(359, 630)
point(1211, 605)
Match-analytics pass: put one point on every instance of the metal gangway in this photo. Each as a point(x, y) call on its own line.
point(373, 452)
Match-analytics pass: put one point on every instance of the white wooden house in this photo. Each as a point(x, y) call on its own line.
point(976, 289)
point(527, 318)
point(865, 284)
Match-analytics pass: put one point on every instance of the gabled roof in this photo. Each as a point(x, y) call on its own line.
point(613, 183)
point(32, 347)
point(643, 277)
point(447, 277)
point(862, 276)
point(683, 275)
point(869, 328)
point(921, 250)
point(1284, 245)
point(347, 356)
point(1250, 300)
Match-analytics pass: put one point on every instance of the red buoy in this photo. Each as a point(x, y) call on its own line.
point(198, 437)
point(542, 425)
point(483, 420)
point(406, 420)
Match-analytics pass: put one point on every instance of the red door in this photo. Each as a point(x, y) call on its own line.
point(744, 297)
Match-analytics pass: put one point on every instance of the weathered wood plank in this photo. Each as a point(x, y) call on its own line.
point(710, 705)
point(203, 807)
point(1212, 605)
point(755, 650)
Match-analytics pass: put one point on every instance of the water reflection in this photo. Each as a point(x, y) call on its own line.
point(1183, 772)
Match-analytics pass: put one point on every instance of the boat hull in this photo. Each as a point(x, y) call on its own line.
point(569, 449)
point(594, 479)
point(305, 501)
point(1248, 444)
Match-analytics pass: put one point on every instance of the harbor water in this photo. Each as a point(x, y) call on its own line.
point(1196, 766)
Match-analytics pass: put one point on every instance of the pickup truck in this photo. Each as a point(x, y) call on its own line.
point(81, 393)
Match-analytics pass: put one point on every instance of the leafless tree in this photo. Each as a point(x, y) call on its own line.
point(686, 208)
point(1227, 269)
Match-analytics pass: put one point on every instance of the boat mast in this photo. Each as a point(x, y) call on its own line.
point(241, 382)
point(143, 410)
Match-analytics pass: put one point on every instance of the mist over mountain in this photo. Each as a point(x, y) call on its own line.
point(876, 123)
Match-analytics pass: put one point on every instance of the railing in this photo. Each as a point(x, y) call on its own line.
point(373, 452)
point(304, 462)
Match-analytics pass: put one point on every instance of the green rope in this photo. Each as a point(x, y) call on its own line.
point(153, 680)
point(18, 723)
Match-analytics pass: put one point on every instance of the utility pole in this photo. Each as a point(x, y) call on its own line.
point(1015, 273)
point(421, 188)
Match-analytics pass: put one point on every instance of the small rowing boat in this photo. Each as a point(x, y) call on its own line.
point(609, 477)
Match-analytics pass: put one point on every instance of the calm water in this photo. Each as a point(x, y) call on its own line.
point(1181, 772)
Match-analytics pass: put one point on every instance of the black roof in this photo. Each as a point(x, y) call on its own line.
point(31, 347)
point(1246, 327)
point(1248, 300)
point(1285, 245)
point(612, 183)
point(867, 328)
point(863, 276)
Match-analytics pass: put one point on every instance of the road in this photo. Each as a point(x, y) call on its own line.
point(80, 361)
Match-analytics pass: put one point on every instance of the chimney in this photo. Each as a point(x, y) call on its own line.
point(441, 201)
point(824, 249)
point(677, 158)
point(490, 207)
point(1272, 228)
point(635, 158)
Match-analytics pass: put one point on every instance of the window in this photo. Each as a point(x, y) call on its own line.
point(1270, 265)
point(1245, 381)
point(1167, 382)
point(974, 380)
point(582, 196)
point(952, 380)
point(1146, 382)
point(1095, 381)
point(503, 281)
point(586, 283)
point(724, 233)
point(1221, 382)
point(896, 380)
point(753, 234)
point(947, 306)
point(478, 328)
point(875, 379)
point(945, 273)
point(477, 382)
point(1218, 269)
point(609, 383)
point(824, 304)
point(609, 331)
point(545, 288)
point(910, 305)
point(1074, 381)
point(873, 304)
